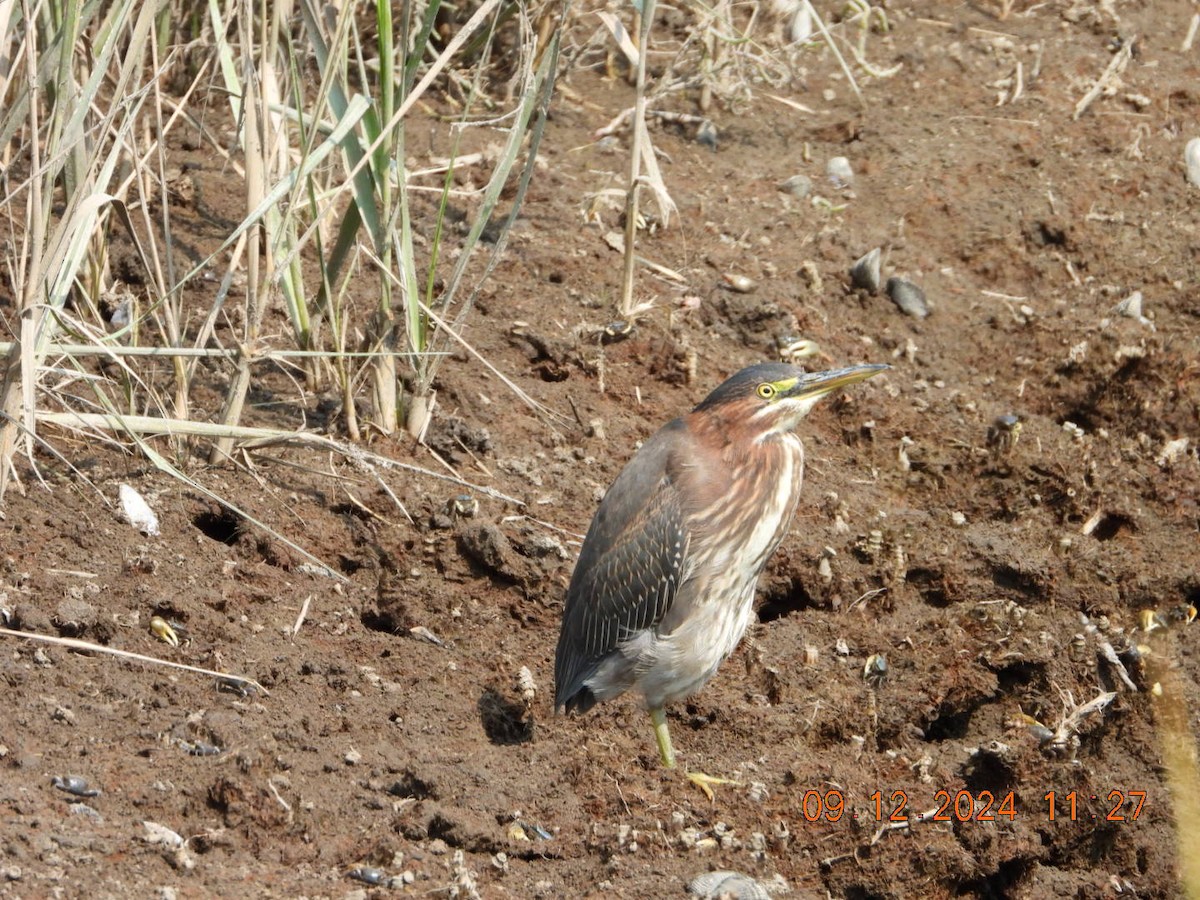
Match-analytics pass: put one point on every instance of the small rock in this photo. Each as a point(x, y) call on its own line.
point(450, 435)
point(1172, 452)
point(865, 273)
point(137, 511)
point(1191, 156)
point(839, 172)
point(909, 297)
point(74, 617)
point(76, 785)
point(726, 884)
point(82, 809)
point(487, 545)
point(539, 546)
point(740, 284)
point(799, 186)
point(368, 875)
point(122, 314)
point(421, 633)
point(314, 570)
point(801, 28)
point(1131, 308)
point(161, 834)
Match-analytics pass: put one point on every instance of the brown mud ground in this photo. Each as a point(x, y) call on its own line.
point(967, 569)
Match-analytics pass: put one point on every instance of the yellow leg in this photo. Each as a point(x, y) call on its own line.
point(667, 754)
point(705, 782)
point(665, 751)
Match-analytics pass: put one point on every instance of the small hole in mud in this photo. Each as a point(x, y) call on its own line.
point(930, 584)
point(386, 621)
point(1112, 525)
point(783, 603)
point(1001, 883)
point(1008, 578)
point(351, 510)
point(504, 721)
point(553, 373)
point(990, 771)
point(1082, 417)
point(1192, 595)
point(949, 725)
point(222, 526)
point(348, 565)
point(409, 784)
point(1020, 675)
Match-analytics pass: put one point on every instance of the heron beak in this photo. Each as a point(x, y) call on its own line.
point(818, 384)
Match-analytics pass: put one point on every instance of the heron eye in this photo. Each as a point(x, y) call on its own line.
point(766, 391)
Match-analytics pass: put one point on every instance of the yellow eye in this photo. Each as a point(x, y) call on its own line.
point(766, 391)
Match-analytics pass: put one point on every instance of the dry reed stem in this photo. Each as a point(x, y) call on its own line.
point(88, 646)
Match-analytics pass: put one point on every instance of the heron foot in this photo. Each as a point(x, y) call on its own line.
point(706, 783)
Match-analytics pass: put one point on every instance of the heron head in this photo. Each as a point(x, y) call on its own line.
point(771, 398)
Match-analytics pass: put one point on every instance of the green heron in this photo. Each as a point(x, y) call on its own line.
point(664, 587)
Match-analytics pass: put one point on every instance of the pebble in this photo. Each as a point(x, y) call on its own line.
point(801, 28)
point(840, 172)
point(739, 284)
point(74, 616)
point(865, 273)
point(315, 571)
point(82, 809)
point(1191, 156)
point(909, 297)
point(799, 186)
point(76, 785)
point(1131, 308)
point(122, 315)
point(161, 834)
point(733, 885)
point(137, 512)
point(368, 875)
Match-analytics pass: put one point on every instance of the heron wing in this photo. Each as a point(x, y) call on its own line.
point(630, 568)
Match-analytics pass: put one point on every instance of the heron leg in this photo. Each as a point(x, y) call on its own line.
point(667, 754)
point(665, 751)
